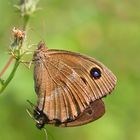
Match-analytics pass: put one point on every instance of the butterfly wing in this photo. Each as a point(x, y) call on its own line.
point(83, 65)
point(92, 113)
point(65, 84)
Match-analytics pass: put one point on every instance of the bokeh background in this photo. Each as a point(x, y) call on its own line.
point(107, 30)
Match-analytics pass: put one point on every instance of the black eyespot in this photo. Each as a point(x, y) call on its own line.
point(95, 73)
point(89, 112)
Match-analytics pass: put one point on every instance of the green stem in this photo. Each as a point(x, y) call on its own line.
point(26, 21)
point(5, 84)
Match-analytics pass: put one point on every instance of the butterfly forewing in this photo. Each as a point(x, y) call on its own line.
point(62, 93)
point(82, 65)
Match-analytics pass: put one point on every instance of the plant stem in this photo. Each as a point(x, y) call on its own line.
point(29, 9)
point(17, 62)
point(6, 66)
point(25, 22)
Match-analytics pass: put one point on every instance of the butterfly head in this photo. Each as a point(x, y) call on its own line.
point(37, 115)
point(40, 118)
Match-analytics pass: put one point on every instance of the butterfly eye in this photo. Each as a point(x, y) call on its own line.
point(40, 125)
point(95, 73)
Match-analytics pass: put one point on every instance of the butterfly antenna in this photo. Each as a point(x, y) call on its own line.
point(39, 34)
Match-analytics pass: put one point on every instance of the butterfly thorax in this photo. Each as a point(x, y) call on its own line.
point(41, 52)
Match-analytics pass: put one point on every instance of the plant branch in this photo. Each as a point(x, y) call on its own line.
point(6, 66)
point(26, 9)
point(11, 75)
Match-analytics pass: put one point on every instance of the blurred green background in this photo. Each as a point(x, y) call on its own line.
point(107, 30)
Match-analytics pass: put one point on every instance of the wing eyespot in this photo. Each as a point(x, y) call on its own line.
point(90, 112)
point(95, 73)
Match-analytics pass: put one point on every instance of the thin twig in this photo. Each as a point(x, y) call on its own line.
point(10, 76)
point(6, 66)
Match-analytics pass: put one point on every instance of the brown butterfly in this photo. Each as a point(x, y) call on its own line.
point(69, 87)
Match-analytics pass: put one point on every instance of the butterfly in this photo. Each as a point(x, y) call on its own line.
point(70, 87)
